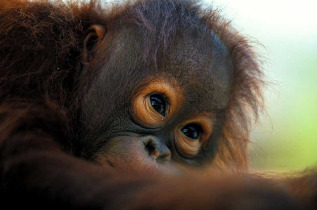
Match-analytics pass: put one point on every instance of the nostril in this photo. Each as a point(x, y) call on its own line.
point(157, 150)
point(151, 148)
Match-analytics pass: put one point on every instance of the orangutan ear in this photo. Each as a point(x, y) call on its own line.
point(94, 35)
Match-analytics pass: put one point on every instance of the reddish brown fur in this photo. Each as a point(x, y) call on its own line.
point(53, 72)
point(39, 43)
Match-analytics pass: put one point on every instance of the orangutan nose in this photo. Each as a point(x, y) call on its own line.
point(156, 149)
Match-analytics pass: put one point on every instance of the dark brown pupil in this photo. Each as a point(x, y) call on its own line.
point(192, 131)
point(158, 103)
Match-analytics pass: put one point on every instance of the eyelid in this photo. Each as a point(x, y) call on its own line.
point(189, 147)
point(204, 120)
point(144, 113)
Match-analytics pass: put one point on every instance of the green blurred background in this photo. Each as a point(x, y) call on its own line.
point(286, 137)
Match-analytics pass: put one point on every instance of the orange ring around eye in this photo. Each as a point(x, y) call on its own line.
point(142, 108)
point(191, 147)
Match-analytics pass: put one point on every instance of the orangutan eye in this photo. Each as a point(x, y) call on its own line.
point(159, 103)
point(192, 131)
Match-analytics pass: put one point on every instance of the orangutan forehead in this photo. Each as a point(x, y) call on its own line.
point(202, 64)
point(199, 63)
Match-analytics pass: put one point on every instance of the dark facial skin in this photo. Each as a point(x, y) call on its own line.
point(169, 117)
